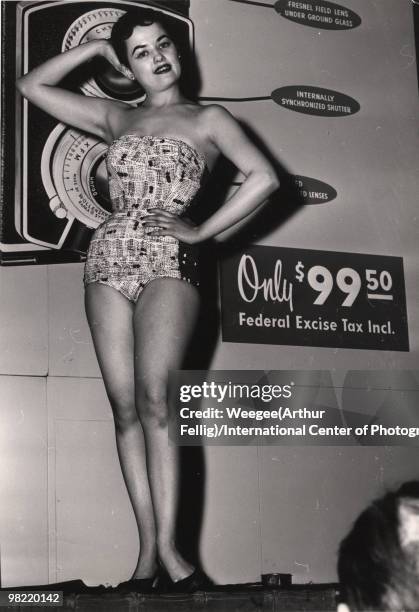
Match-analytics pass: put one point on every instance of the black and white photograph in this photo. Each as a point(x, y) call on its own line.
point(209, 305)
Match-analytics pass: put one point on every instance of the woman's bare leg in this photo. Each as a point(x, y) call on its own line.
point(164, 320)
point(110, 317)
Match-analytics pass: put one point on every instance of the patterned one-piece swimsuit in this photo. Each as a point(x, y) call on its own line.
point(145, 172)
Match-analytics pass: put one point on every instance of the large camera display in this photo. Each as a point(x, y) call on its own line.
point(58, 174)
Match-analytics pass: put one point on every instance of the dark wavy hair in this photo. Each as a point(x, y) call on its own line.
point(124, 27)
point(376, 571)
point(179, 34)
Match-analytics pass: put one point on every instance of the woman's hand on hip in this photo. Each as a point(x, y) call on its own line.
point(163, 223)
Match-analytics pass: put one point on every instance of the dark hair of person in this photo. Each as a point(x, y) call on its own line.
point(178, 32)
point(125, 25)
point(375, 571)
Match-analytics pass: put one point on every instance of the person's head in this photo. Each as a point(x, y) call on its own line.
point(378, 561)
point(144, 41)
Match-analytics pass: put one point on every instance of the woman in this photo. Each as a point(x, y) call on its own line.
point(140, 277)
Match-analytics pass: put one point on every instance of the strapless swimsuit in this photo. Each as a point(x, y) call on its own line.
point(145, 172)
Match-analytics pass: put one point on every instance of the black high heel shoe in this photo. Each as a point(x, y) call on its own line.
point(137, 585)
point(197, 581)
point(163, 582)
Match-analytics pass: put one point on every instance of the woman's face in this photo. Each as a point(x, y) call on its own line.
point(153, 57)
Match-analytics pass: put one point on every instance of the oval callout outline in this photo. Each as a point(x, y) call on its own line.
point(281, 6)
point(320, 99)
point(310, 184)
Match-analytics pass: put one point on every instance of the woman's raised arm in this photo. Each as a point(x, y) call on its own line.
point(87, 113)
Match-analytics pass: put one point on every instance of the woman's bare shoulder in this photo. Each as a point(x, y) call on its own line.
point(214, 117)
point(206, 111)
point(213, 112)
point(209, 117)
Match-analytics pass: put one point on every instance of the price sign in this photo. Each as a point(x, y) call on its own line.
point(348, 281)
point(315, 298)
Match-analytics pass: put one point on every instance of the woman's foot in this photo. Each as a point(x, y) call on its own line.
point(137, 585)
point(146, 567)
point(182, 577)
point(175, 565)
point(144, 574)
point(144, 577)
point(196, 581)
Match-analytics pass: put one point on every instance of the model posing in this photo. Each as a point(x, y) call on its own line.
point(141, 273)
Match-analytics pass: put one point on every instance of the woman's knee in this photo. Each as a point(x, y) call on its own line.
point(124, 411)
point(152, 403)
